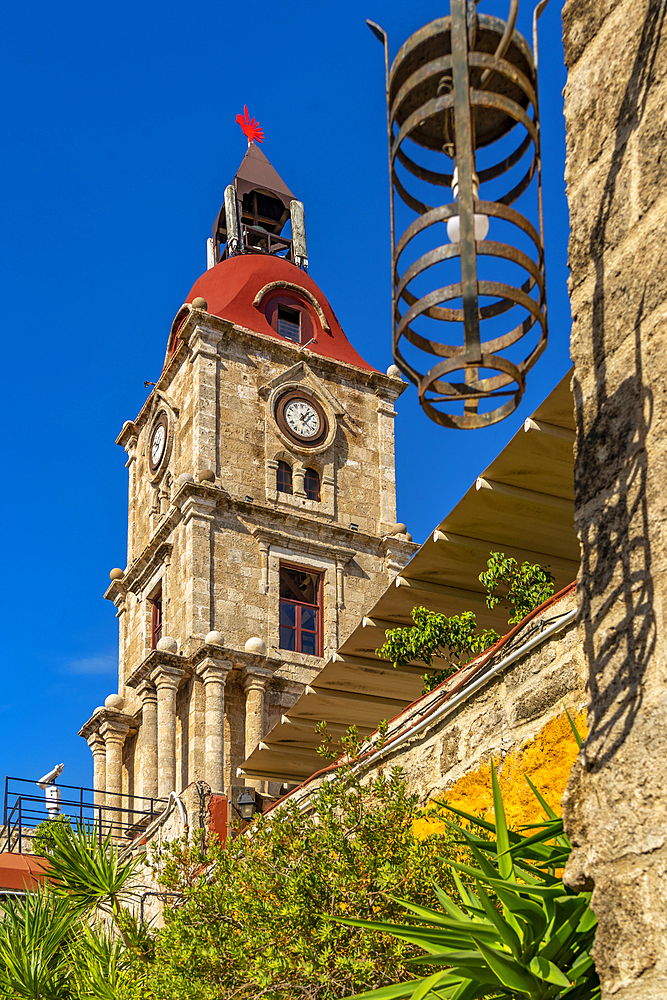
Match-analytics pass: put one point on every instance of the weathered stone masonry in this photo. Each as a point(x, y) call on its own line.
point(616, 805)
point(208, 531)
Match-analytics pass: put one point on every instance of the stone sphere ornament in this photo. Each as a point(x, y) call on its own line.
point(116, 574)
point(200, 303)
point(167, 645)
point(185, 477)
point(115, 702)
point(215, 638)
point(256, 645)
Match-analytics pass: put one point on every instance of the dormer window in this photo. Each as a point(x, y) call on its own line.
point(289, 323)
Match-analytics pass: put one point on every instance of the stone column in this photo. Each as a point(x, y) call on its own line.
point(99, 752)
point(264, 550)
point(254, 686)
point(214, 674)
point(114, 733)
point(387, 470)
point(198, 516)
point(148, 738)
point(340, 576)
point(298, 477)
point(166, 681)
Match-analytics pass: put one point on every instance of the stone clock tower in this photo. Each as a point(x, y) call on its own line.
point(262, 508)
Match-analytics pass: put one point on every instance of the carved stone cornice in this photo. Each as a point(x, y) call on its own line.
point(107, 716)
point(267, 534)
point(334, 539)
point(239, 658)
point(144, 566)
point(203, 324)
point(398, 552)
point(154, 659)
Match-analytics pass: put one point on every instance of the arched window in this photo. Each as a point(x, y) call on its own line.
point(311, 485)
point(284, 478)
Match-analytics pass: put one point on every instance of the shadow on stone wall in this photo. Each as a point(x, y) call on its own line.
point(615, 582)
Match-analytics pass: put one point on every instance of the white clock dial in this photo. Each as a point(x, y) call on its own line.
point(302, 418)
point(157, 444)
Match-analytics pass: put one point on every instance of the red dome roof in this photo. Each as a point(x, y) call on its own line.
point(232, 286)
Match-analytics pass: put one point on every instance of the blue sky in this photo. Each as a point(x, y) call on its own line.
point(119, 140)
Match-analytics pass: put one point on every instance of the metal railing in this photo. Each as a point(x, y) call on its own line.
point(257, 240)
point(125, 815)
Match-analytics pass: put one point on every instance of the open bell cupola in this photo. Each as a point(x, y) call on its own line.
point(257, 207)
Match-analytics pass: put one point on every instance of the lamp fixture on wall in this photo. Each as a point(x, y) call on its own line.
point(246, 806)
point(458, 86)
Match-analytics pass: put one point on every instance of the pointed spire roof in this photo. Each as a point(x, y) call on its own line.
point(256, 172)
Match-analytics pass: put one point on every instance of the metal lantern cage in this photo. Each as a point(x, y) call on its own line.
point(459, 85)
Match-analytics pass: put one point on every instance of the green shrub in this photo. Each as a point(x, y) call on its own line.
point(259, 917)
point(519, 933)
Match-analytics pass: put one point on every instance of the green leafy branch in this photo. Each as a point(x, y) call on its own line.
point(456, 638)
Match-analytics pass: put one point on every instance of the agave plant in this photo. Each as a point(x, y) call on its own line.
point(520, 933)
point(89, 872)
point(36, 934)
point(61, 941)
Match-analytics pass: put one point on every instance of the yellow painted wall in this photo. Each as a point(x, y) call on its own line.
point(547, 760)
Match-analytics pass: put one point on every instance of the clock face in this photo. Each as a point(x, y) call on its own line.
point(158, 443)
point(302, 418)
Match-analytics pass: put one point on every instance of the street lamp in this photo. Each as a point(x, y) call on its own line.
point(464, 87)
point(246, 806)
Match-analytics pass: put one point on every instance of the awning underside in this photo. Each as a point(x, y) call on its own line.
point(523, 505)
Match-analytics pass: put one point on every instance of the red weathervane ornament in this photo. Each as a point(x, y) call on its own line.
point(250, 129)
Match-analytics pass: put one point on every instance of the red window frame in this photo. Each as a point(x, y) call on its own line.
point(156, 619)
point(284, 478)
point(311, 484)
point(299, 607)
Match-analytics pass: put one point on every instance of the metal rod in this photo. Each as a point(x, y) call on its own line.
point(381, 36)
point(465, 164)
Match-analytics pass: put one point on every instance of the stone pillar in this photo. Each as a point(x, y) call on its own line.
point(148, 743)
point(254, 686)
point(99, 751)
point(615, 806)
point(198, 515)
point(387, 497)
point(214, 674)
point(264, 550)
point(166, 680)
point(114, 733)
point(340, 586)
point(298, 479)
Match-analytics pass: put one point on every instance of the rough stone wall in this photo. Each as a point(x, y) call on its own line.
point(501, 717)
point(496, 721)
point(616, 804)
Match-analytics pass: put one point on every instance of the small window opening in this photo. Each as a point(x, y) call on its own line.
point(289, 323)
point(284, 478)
point(300, 611)
point(156, 619)
point(311, 485)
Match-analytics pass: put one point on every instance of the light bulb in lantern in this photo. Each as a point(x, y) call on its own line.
point(480, 222)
